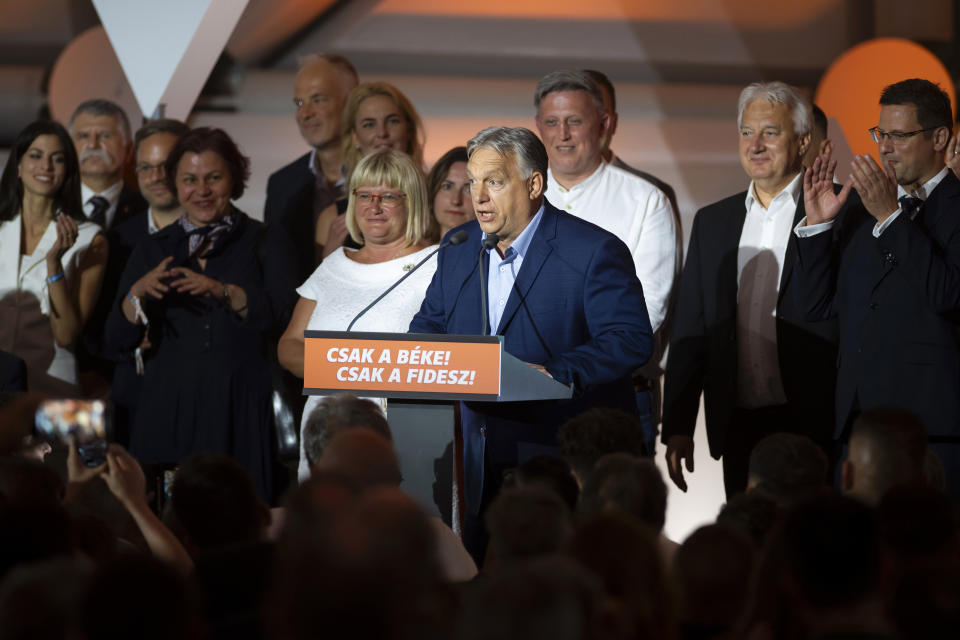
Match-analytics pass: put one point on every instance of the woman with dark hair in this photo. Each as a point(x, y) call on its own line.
point(51, 259)
point(206, 291)
point(449, 190)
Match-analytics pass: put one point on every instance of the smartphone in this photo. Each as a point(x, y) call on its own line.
point(86, 423)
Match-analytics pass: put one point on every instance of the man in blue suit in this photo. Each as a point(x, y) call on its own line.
point(562, 292)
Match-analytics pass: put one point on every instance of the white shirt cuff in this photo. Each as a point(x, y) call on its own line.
point(880, 227)
point(803, 230)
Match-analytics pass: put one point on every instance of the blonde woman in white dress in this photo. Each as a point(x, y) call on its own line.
point(51, 260)
point(388, 213)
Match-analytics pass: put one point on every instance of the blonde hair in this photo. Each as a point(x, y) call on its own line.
point(396, 170)
point(415, 135)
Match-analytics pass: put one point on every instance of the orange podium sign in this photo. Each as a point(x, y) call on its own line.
point(397, 365)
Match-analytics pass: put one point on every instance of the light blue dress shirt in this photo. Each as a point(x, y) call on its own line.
point(502, 272)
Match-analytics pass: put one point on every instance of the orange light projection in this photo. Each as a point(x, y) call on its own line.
point(745, 13)
point(850, 89)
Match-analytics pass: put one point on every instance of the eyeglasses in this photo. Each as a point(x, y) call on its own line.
point(144, 169)
point(896, 137)
point(386, 200)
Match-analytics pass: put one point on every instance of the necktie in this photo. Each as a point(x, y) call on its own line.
point(99, 213)
point(909, 205)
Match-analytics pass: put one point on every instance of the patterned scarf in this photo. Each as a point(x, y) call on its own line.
point(205, 239)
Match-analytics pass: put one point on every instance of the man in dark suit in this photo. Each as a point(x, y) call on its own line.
point(297, 193)
point(151, 145)
point(562, 292)
point(738, 336)
point(101, 134)
point(891, 275)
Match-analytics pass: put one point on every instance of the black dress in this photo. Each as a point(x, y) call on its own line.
point(206, 385)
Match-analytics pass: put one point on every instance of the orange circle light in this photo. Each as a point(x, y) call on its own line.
point(850, 89)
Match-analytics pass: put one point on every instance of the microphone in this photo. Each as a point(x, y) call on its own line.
point(457, 238)
point(489, 242)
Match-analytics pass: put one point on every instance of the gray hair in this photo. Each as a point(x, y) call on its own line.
point(568, 80)
point(100, 107)
point(779, 93)
point(518, 142)
point(345, 69)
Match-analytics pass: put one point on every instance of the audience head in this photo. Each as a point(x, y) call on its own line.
point(337, 413)
point(551, 473)
point(609, 106)
point(919, 525)
point(364, 456)
point(391, 175)
point(139, 597)
point(449, 191)
point(820, 142)
point(25, 482)
point(320, 91)
point(526, 522)
point(206, 170)
point(623, 483)
point(42, 601)
point(774, 121)
point(888, 447)
point(43, 162)
point(587, 437)
point(787, 468)
point(918, 112)
point(624, 554)
point(549, 598)
point(753, 514)
point(713, 569)
point(378, 116)
point(101, 134)
point(821, 572)
point(152, 145)
point(214, 504)
point(573, 122)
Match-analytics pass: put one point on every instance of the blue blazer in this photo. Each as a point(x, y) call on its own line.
point(577, 309)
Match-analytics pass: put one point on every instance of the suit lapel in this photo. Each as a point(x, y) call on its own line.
point(728, 241)
point(540, 247)
point(790, 256)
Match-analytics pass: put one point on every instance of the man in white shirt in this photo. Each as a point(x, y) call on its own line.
point(101, 134)
point(738, 336)
point(574, 125)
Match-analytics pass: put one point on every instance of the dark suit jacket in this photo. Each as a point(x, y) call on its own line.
point(579, 312)
point(897, 299)
point(703, 347)
point(13, 373)
point(289, 209)
point(129, 204)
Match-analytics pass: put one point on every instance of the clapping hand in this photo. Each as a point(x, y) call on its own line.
point(952, 155)
point(152, 281)
point(820, 202)
point(877, 186)
point(195, 284)
point(66, 236)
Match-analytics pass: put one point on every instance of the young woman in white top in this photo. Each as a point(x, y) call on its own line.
point(51, 260)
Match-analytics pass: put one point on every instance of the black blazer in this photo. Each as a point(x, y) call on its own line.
point(129, 204)
point(703, 347)
point(289, 209)
point(897, 300)
point(13, 372)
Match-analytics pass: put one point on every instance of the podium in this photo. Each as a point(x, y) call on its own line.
point(420, 375)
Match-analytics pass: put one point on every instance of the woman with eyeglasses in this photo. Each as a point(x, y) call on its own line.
point(376, 116)
point(388, 214)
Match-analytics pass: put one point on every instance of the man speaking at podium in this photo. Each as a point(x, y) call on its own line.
point(562, 292)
